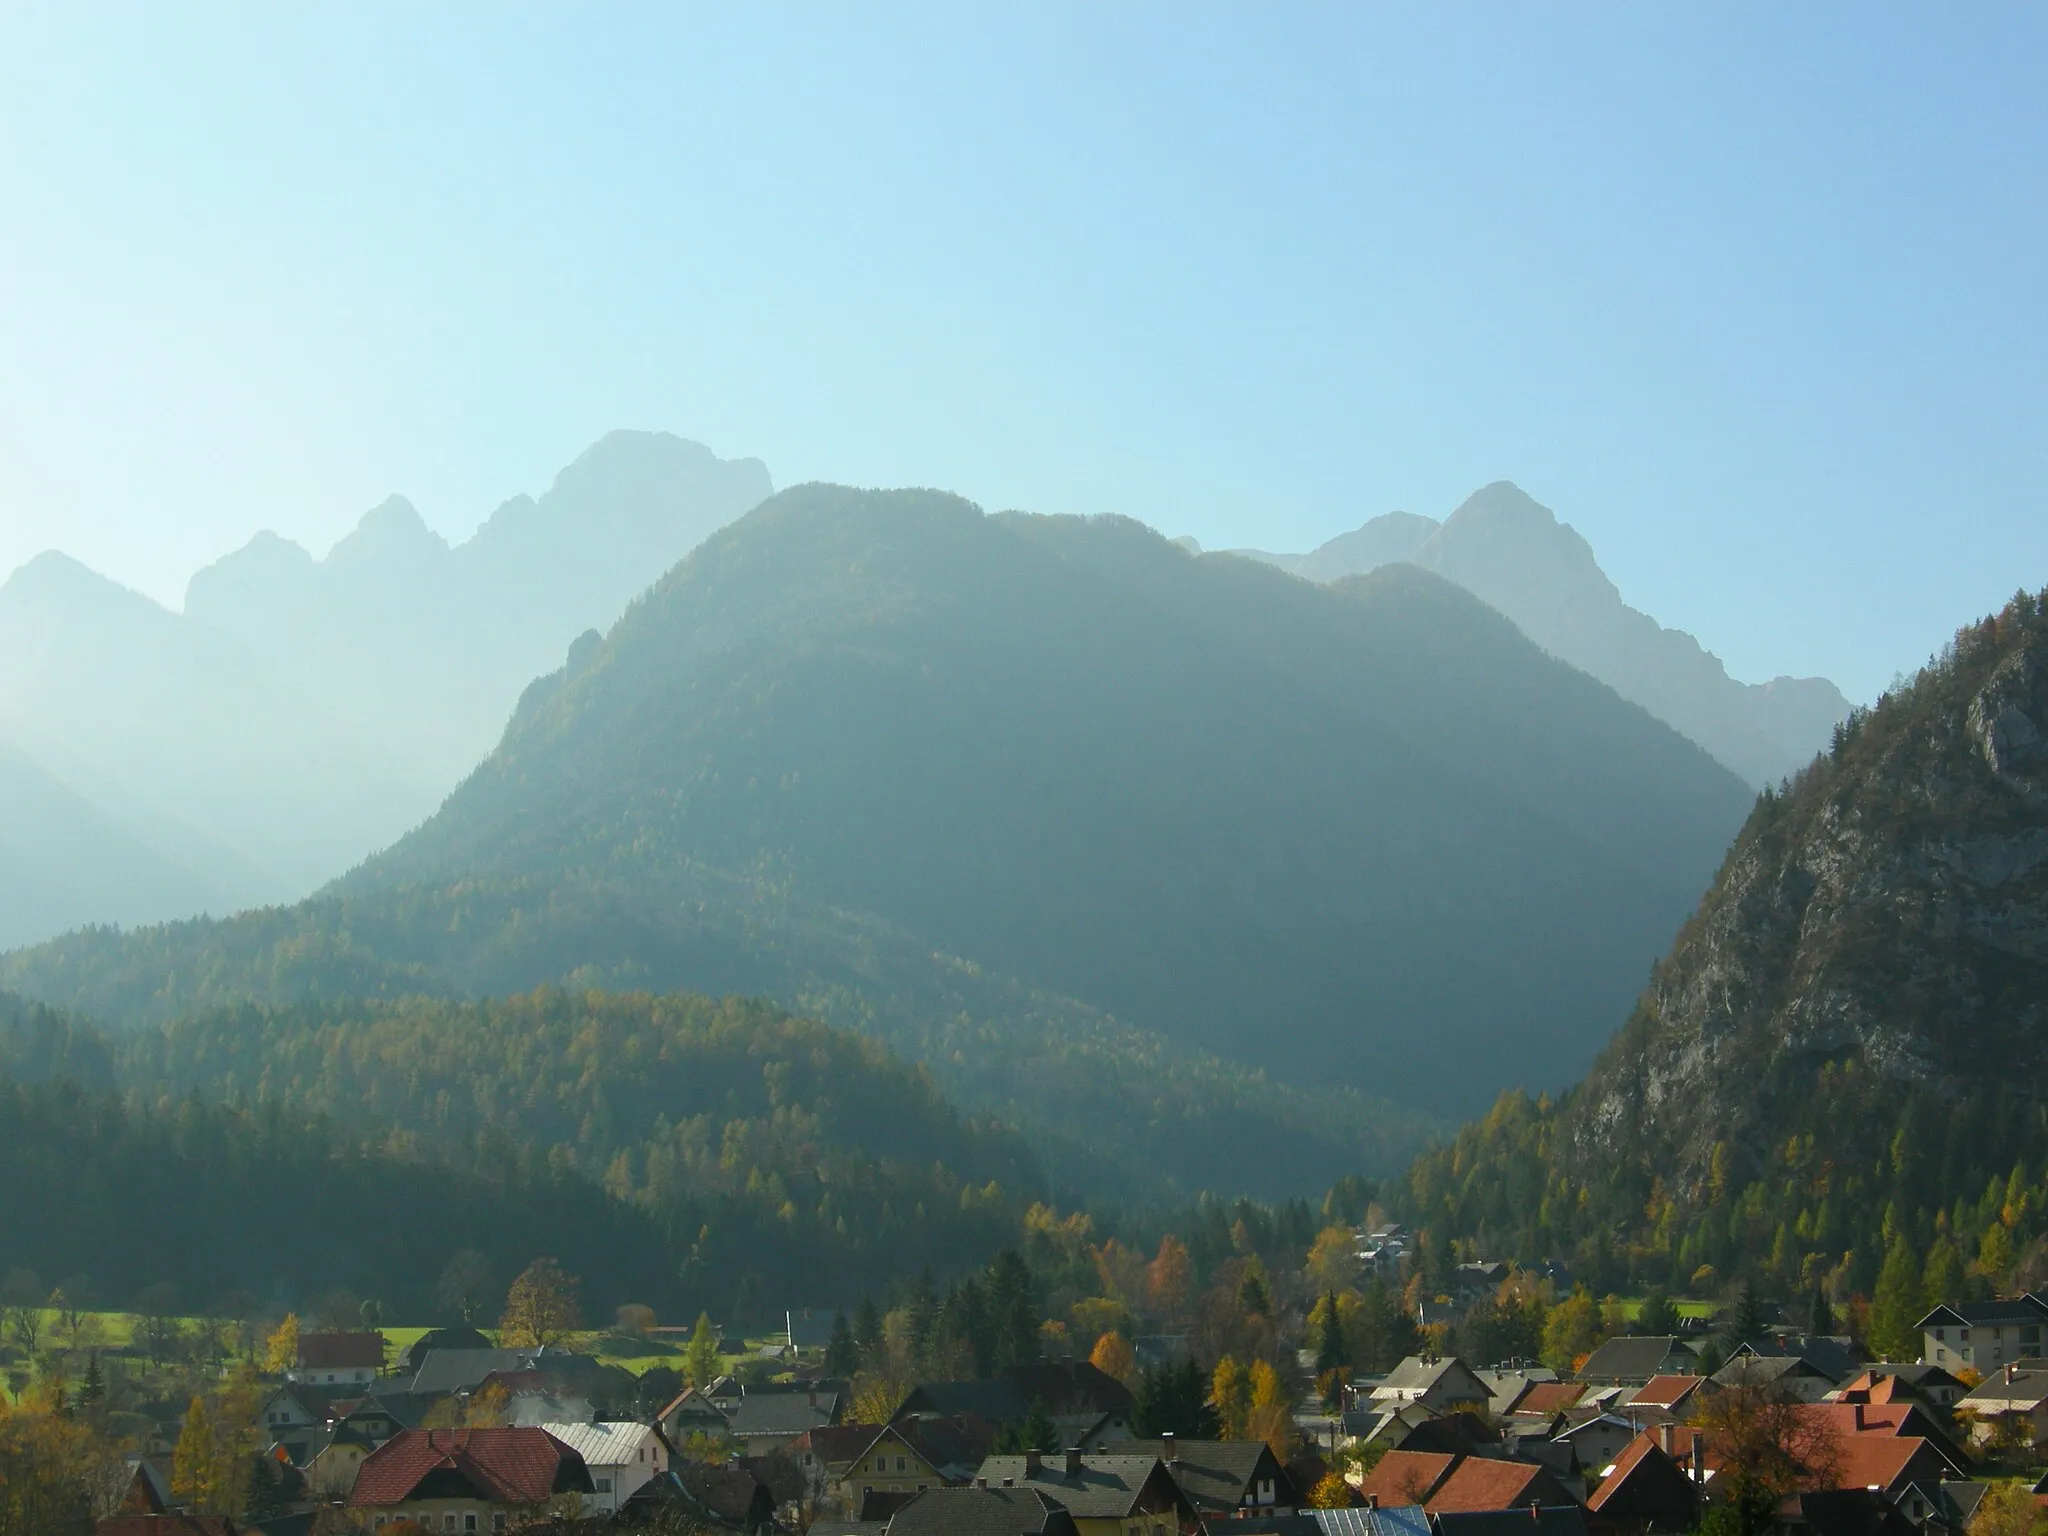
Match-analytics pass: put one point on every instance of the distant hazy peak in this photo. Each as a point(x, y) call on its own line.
point(391, 531)
point(1499, 528)
point(54, 577)
point(1386, 539)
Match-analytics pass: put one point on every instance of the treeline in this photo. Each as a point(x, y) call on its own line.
point(732, 1154)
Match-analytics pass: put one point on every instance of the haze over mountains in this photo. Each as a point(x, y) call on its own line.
point(1034, 792)
point(302, 713)
point(1514, 553)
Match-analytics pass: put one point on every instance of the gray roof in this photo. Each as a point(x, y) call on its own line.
point(982, 1512)
point(462, 1370)
point(1408, 1520)
point(1959, 1500)
point(1216, 1474)
point(1416, 1374)
point(1106, 1489)
point(765, 1411)
point(1633, 1357)
point(1988, 1314)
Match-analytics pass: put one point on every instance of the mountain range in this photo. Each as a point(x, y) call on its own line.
point(1075, 817)
point(301, 713)
point(1514, 554)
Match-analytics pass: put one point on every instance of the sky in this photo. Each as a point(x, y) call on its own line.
point(1751, 295)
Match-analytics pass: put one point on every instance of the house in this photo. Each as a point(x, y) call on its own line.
point(466, 1479)
point(1672, 1394)
point(333, 1460)
point(691, 1412)
point(1902, 1420)
point(297, 1406)
point(2014, 1399)
point(1842, 1512)
point(445, 1372)
point(1791, 1376)
point(1452, 1433)
point(983, 1512)
point(145, 1510)
point(1451, 1484)
point(1086, 1404)
point(1510, 1387)
point(1890, 1464)
point(620, 1456)
point(1440, 1386)
point(691, 1495)
point(1645, 1488)
point(1597, 1439)
point(765, 1419)
point(1983, 1335)
point(440, 1338)
point(1632, 1359)
point(908, 1456)
point(1543, 1520)
point(1108, 1495)
point(1220, 1477)
point(1929, 1384)
point(338, 1359)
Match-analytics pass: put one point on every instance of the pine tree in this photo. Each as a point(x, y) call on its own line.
point(1331, 1352)
point(1820, 1319)
point(92, 1391)
point(867, 1330)
point(1897, 1305)
point(842, 1354)
point(263, 1492)
point(1749, 1321)
point(1013, 1313)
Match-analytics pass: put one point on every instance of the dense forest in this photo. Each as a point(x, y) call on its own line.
point(686, 1153)
point(1832, 1083)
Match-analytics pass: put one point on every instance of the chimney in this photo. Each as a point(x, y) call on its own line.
point(1032, 1464)
point(1372, 1501)
point(1699, 1457)
point(1536, 1511)
point(1073, 1461)
point(1856, 1414)
point(1666, 1440)
point(1166, 1452)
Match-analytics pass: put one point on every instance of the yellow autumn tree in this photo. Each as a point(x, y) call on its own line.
point(1167, 1277)
point(195, 1464)
point(1230, 1394)
point(1113, 1356)
point(541, 1308)
point(281, 1346)
point(1330, 1492)
point(1267, 1415)
point(1332, 1261)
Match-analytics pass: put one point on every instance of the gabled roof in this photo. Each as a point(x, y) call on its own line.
point(1886, 1461)
point(1987, 1314)
point(1634, 1357)
point(1406, 1477)
point(952, 1447)
point(499, 1466)
point(982, 1512)
point(462, 1370)
point(766, 1411)
point(1481, 1483)
point(1216, 1475)
point(2009, 1391)
point(341, 1351)
point(838, 1445)
point(1416, 1376)
point(611, 1444)
point(1644, 1483)
point(1549, 1396)
point(1904, 1419)
point(1667, 1392)
point(1845, 1512)
point(1107, 1487)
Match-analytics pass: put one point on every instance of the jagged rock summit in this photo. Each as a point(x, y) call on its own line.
point(1512, 552)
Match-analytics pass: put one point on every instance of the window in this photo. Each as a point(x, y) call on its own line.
point(899, 1463)
point(604, 1485)
point(469, 1522)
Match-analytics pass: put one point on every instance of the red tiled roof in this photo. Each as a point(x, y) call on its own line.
point(164, 1525)
point(1549, 1396)
point(1479, 1482)
point(837, 1444)
point(1665, 1391)
point(341, 1351)
point(1875, 1461)
point(1642, 1475)
point(1406, 1477)
point(504, 1466)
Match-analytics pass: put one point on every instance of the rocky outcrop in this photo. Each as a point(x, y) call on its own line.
point(1890, 909)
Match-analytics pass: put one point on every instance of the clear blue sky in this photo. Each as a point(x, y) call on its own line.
point(1752, 295)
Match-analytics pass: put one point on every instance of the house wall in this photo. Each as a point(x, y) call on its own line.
point(1982, 1347)
point(458, 1515)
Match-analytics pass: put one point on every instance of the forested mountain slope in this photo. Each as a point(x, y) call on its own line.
point(941, 775)
point(682, 1151)
point(1848, 1039)
point(1501, 545)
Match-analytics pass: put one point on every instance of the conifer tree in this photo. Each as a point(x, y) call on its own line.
point(700, 1355)
point(842, 1354)
point(1897, 1305)
point(193, 1464)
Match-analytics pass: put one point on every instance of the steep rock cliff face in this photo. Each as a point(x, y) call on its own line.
point(1887, 915)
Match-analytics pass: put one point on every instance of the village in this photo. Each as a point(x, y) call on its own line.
point(1733, 1421)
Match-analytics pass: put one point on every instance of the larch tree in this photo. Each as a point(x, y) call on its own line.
point(1113, 1356)
point(700, 1355)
